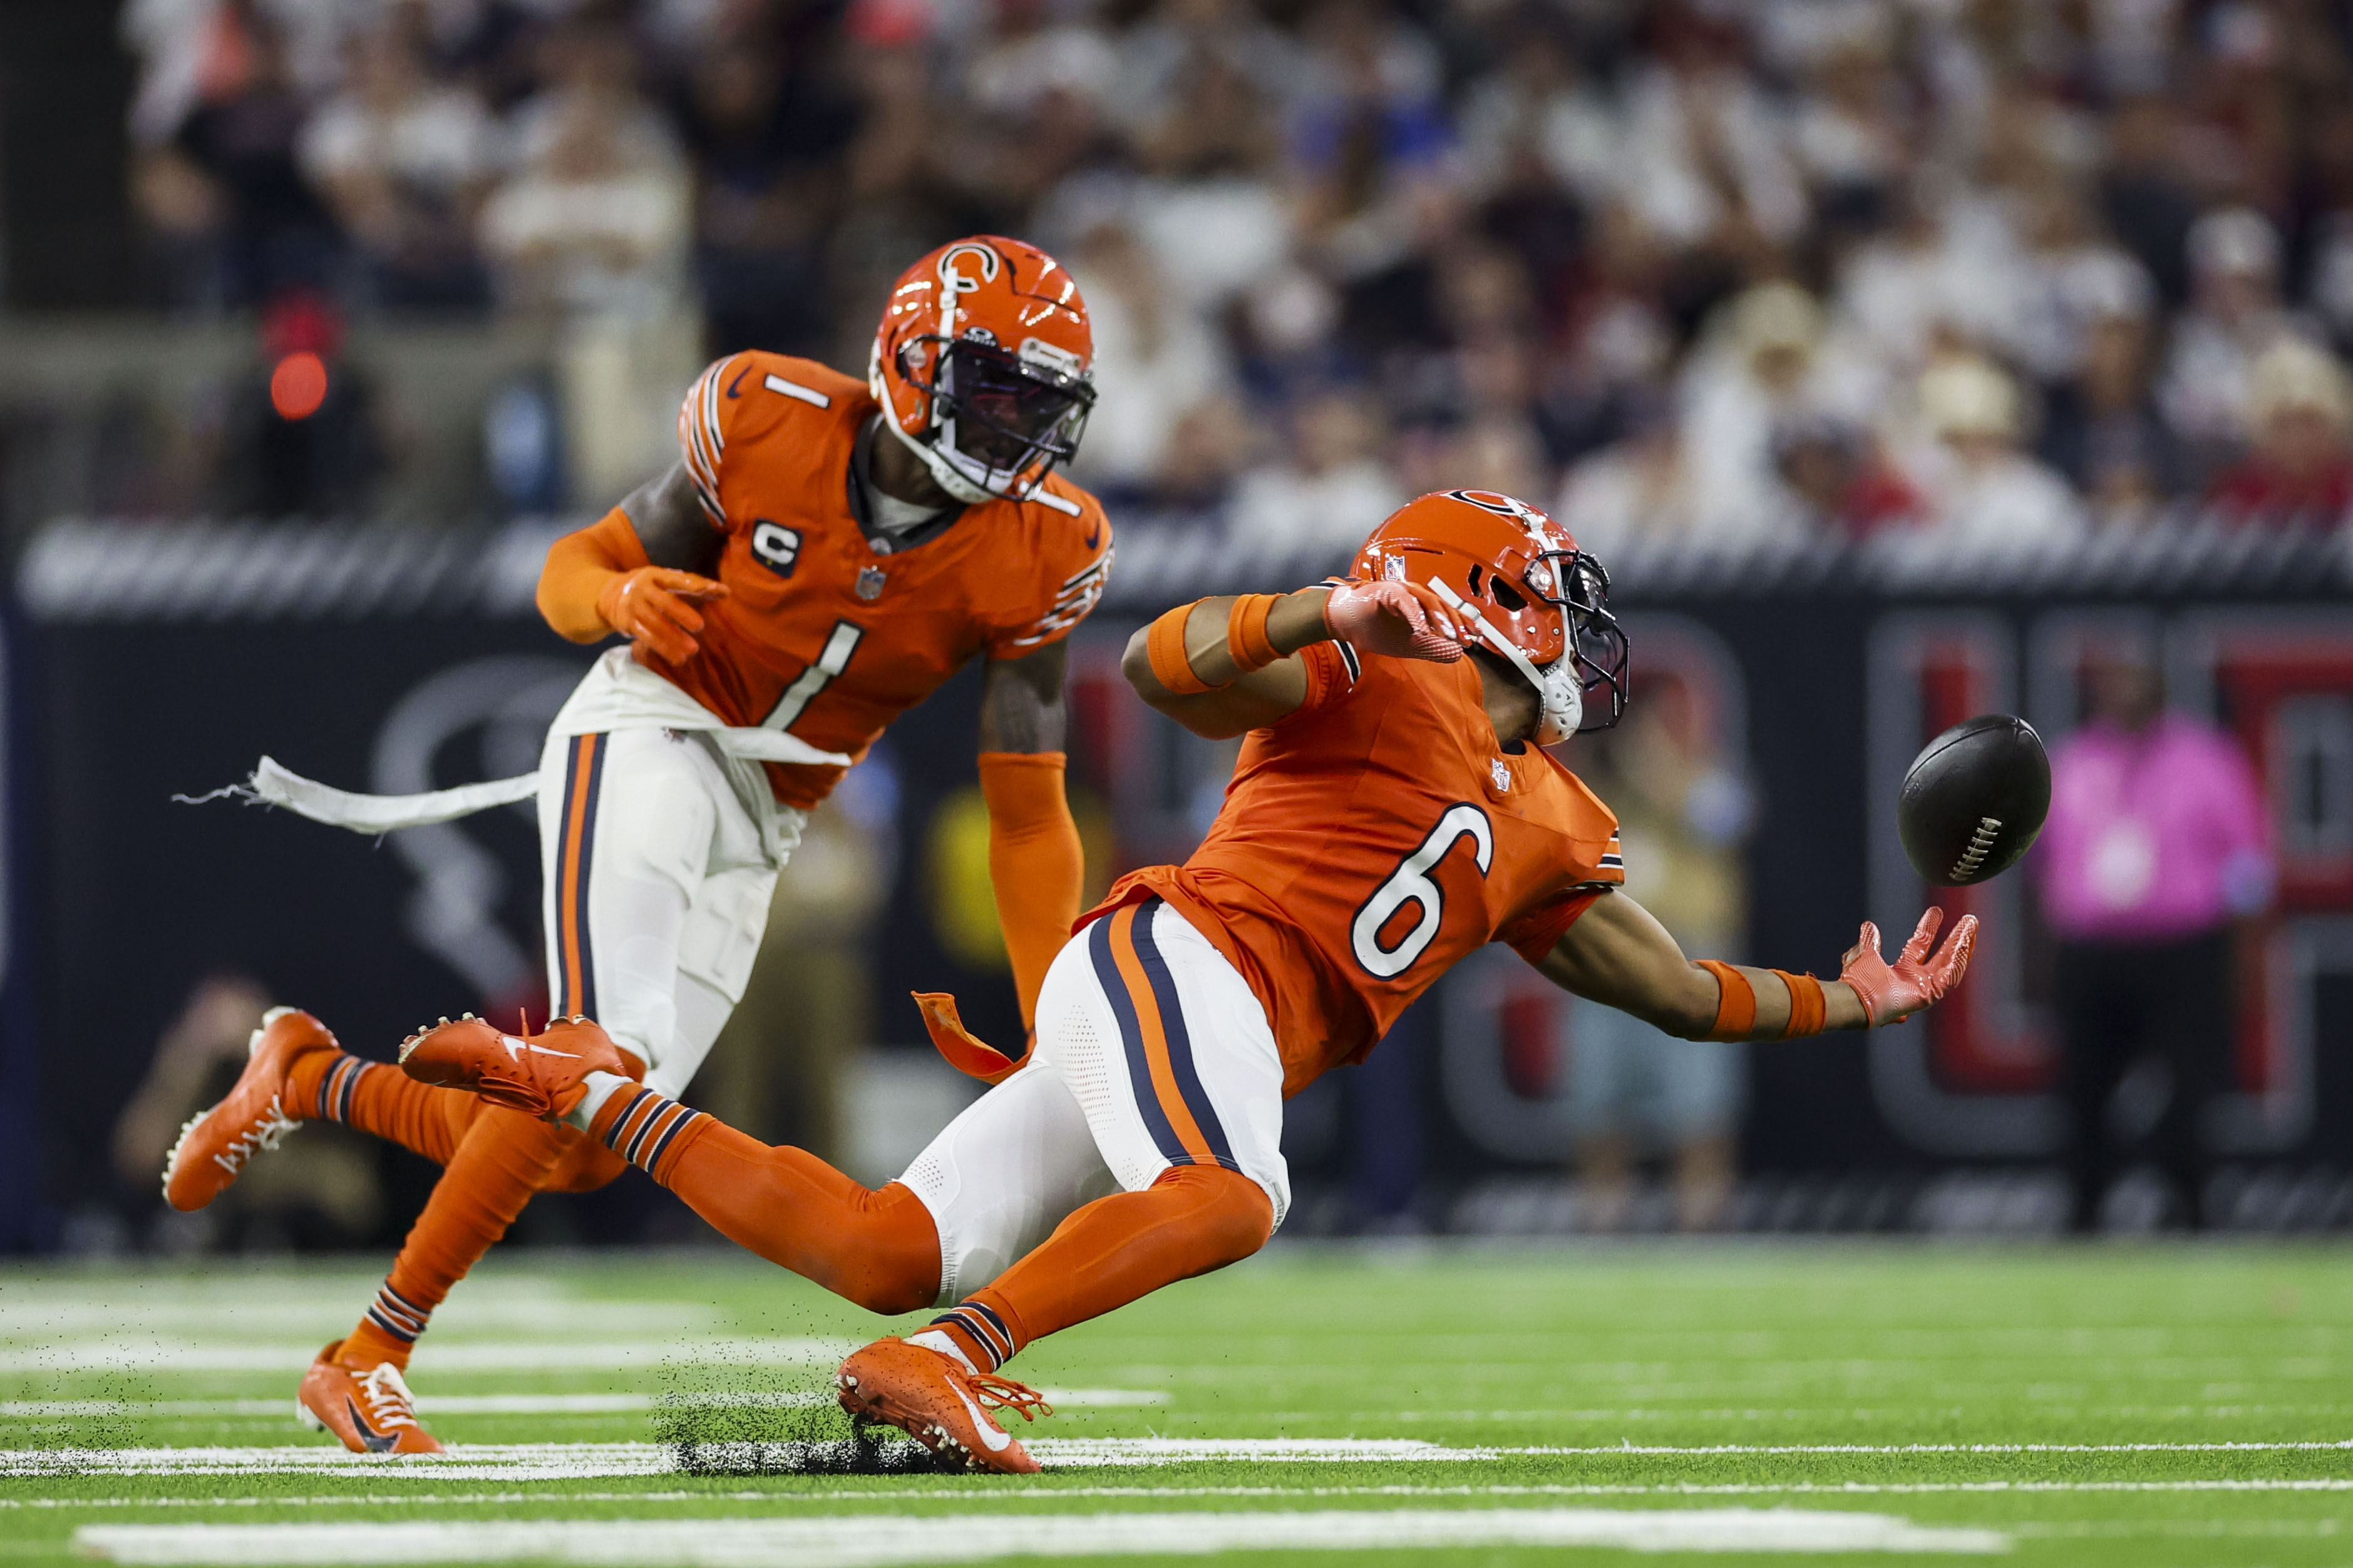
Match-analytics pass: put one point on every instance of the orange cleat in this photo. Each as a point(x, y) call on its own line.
point(933, 1399)
point(369, 1408)
point(215, 1148)
point(540, 1076)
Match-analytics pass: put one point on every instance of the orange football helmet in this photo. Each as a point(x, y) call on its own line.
point(984, 365)
point(1519, 584)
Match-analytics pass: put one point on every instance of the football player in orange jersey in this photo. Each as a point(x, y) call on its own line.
point(1393, 809)
point(825, 554)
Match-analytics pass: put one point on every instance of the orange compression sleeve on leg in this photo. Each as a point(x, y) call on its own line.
point(1115, 1250)
point(879, 1249)
point(1735, 1008)
point(578, 566)
point(1035, 862)
point(381, 1100)
point(504, 1158)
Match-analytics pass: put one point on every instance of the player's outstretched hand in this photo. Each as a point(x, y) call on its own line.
point(653, 606)
point(1402, 620)
point(1891, 994)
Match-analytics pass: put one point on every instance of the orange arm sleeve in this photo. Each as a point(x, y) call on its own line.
point(1034, 862)
point(1735, 1008)
point(578, 567)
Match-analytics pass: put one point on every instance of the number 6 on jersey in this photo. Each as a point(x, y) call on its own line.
point(1411, 883)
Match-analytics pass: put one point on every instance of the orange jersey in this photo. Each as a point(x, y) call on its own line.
point(1371, 840)
point(824, 632)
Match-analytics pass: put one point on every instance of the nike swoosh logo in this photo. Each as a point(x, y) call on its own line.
point(375, 1441)
point(515, 1050)
point(736, 383)
point(1094, 536)
point(997, 1441)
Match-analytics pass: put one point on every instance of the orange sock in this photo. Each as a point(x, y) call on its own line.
point(504, 1158)
point(378, 1097)
point(878, 1249)
point(1115, 1250)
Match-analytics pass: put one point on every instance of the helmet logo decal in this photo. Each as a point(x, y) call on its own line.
point(1539, 526)
point(1497, 502)
point(954, 280)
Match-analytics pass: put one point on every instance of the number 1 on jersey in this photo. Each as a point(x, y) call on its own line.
point(838, 647)
point(1411, 883)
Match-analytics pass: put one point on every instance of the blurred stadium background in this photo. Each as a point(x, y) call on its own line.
point(1903, 359)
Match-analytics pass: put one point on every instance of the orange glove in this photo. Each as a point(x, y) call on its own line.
point(578, 566)
point(1891, 994)
point(653, 607)
point(1401, 620)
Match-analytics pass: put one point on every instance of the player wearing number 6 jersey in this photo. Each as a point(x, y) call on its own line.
point(1392, 811)
point(827, 553)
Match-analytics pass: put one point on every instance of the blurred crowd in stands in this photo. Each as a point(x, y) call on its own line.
point(2006, 270)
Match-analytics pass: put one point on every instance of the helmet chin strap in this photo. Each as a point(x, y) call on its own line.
point(1562, 700)
point(951, 478)
point(1560, 696)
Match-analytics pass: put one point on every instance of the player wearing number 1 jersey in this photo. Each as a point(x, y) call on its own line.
point(825, 554)
point(1392, 811)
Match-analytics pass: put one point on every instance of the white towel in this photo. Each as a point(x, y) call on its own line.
point(272, 784)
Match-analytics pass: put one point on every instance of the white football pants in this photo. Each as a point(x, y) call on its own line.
point(1152, 1052)
point(657, 855)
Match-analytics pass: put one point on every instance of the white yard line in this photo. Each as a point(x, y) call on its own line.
point(552, 1461)
point(525, 1404)
point(475, 1461)
point(177, 1353)
point(898, 1496)
point(263, 1313)
point(430, 1404)
point(866, 1540)
point(2337, 1446)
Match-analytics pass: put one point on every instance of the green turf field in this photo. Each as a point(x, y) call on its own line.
point(2135, 1406)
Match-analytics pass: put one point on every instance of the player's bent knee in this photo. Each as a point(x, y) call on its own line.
point(894, 1292)
point(895, 1267)
point(1235, 1215)
point(587, 1166)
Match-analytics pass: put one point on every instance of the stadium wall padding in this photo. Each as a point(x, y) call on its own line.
point(1835, 665)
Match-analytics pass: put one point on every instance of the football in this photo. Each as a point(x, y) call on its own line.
point(1973, 800)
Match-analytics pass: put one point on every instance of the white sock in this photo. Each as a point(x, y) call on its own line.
point(941, 1340)
point(601, 1086)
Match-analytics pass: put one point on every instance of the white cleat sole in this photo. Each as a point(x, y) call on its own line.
point(253, 1041)
point(172, 1158)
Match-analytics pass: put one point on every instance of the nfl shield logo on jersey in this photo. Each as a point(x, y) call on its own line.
point(869, 583)
point(1500, 773)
